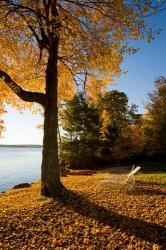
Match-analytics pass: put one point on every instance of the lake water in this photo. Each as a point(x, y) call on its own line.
point(18, 165)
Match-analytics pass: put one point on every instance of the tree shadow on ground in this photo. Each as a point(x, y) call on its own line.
point(143, 191)
point(147, 231)
point(151, 183)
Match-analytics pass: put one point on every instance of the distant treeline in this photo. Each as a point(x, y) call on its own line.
point(20, 146)
point(108, 130)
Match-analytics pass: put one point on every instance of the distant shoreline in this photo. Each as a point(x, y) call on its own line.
point(20, 146)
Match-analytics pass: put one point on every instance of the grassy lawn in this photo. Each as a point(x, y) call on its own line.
point(152, 177)
point(88, 215)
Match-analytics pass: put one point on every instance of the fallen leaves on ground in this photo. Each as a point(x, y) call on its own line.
point(88, 215)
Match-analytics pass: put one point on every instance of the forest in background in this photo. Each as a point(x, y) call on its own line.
point(108, 130)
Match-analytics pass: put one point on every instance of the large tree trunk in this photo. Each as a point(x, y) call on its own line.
point(50, 176)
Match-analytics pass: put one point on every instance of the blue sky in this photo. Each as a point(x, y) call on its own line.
point(143, 68)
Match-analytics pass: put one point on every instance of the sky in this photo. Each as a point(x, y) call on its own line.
point(143, 68)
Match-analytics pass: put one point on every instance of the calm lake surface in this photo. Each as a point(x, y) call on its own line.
point(18, 165)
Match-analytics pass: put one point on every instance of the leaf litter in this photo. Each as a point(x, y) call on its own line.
point(87, 215)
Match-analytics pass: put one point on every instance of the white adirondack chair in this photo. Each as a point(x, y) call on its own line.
point(130, 177)
point(124, 180)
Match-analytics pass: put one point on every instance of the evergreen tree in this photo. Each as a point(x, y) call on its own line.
point(80, 122)
point(117, 117)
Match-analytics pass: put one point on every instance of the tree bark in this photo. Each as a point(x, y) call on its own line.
point(26, 96)
point(50, 178)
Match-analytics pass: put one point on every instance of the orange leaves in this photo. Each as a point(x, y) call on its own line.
point(105, 117)
point(2, 111)
point(1, 126)
point(66, 85)
point(91, 39)
point(92, 216)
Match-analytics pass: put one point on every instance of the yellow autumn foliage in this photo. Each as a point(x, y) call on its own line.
point(92, 38)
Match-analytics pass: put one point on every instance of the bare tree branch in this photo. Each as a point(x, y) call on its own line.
point(27, 96)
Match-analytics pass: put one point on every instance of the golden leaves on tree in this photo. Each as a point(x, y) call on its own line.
point(92, 38)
